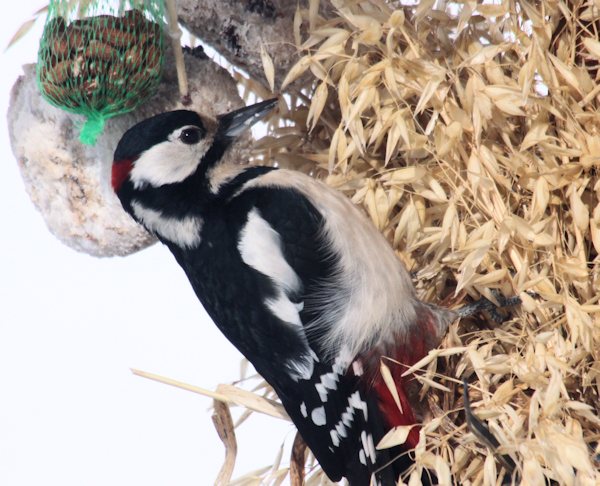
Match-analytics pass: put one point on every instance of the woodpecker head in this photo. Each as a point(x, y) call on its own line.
point(165, 168)
point(174, 146)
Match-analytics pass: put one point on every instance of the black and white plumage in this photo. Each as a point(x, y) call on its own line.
point(294, 275)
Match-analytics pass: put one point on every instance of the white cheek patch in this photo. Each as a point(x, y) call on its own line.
point(185, 232)
point(168, 162)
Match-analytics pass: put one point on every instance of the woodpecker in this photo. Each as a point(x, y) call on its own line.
point(295, 276)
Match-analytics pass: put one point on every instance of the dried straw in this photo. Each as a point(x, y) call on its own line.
point(470, 135)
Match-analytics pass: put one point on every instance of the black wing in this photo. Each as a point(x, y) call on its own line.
point(337, 419)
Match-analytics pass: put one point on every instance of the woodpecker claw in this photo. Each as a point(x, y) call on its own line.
point(484, 304)
point(497, 317)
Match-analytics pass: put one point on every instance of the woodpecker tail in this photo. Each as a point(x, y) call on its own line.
point(394, 406)
point(396, 411)
point(387, 410)
point(393, 409)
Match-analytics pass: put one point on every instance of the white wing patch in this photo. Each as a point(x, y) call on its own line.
point(303, 410)
point(286, 310)
point(341, 430)
point(260, 247)
point(358, 403)
point(340, 364)
point(303, 369)
point(355, 402)
point(368, 446)
point(357, 367)
point(328, 382)
point(183, 232)
point(318, 416)
point(335, 438)
point(361, 457)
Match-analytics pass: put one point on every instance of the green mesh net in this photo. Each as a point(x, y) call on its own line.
point(101, 58)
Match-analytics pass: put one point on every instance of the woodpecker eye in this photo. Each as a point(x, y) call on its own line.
point(190, 136)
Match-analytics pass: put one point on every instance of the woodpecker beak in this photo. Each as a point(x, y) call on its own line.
point(238, 121)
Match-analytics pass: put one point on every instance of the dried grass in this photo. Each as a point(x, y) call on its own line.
point(472, 140)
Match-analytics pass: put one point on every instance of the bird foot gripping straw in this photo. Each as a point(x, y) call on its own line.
point(101, 58)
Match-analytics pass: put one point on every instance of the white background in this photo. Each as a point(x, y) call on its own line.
point(72, 326)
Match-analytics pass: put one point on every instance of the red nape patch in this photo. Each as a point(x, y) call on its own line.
point(120, 172)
